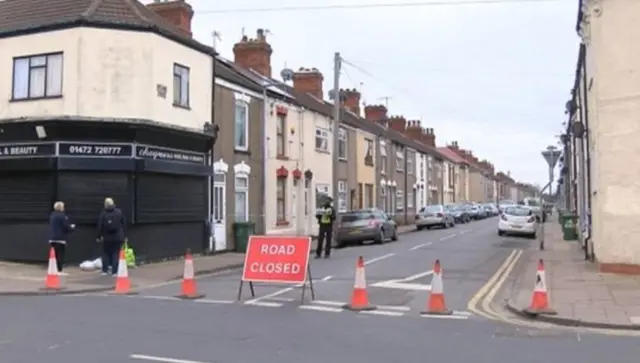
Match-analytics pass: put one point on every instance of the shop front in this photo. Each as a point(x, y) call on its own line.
point(157, 176)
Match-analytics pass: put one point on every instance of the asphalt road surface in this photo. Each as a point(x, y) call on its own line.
point(274, 326)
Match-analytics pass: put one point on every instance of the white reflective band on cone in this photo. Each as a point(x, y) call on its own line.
point(436, 284)
point(188, 269)
point(122, 268)
point(541, 286)
point(52, 269)
point(361, 281)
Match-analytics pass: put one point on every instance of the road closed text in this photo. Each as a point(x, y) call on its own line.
point(277, 259)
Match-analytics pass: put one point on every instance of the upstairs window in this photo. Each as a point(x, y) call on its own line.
point(241, 124)
point(342, 144)
point(37, 77)
point(322, 140)
point(281, 139)
point(180, 86)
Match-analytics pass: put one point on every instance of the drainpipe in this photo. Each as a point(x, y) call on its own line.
point(589, 252)
point(212, 238)
point(265, 151)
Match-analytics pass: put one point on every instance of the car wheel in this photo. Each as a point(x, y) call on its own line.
point(445, 225)
point(380, 238)
point(532, 236)
point(394, 237)
point(419, 228)
point(500, 233)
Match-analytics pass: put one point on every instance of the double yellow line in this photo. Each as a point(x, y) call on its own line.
point(480, 303)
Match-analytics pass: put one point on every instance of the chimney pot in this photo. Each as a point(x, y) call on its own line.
point(352, 100)
point(375, 113)
point(307, 80)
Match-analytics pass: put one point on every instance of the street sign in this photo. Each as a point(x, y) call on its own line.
point(551, 156)
point(277, 259)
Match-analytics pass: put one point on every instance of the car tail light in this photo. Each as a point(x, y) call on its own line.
point(503, 217)
point(531, 219)
point(373, 224)
point(439, 215)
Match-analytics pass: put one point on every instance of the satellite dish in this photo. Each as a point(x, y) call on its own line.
point(332, 95)
point(286, 75)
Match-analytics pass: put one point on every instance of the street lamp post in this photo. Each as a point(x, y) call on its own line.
point(551, 155)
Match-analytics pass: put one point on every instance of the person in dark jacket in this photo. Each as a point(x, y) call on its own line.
point(111, 234)
point(59, 229)
point(325, 217)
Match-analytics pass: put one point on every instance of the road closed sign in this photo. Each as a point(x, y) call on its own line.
point(279, 259)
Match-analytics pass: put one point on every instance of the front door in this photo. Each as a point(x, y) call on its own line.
point(219, 209)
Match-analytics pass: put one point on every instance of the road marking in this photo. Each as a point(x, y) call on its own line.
point(402, 286)
point(473, 303)
point(381, 312)
point(327, 302)
point(282, 299)
point(498, 284)
point(380, 258)
point(212, 301)
point(268, 304)
point(396, 308)
point(326, 278)
point(283, 291)
point(416, 276)
point(420, 246)
point(321, 308)
point(162, 359)
point(464, 231)
point(167, 298)
point(448, 237)
point(452, 317)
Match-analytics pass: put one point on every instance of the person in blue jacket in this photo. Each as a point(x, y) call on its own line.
point(59, 229)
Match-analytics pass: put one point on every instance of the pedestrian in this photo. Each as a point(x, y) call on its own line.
point(326, 218)
point(111, 234)
point(59, 229)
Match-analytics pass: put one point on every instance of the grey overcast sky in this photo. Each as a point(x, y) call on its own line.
point(494, 76)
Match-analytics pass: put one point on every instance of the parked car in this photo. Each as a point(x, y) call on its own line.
point(460, 214)
point(434, 215)
point(358, 226)
point(473, 211)
point(491, 209)
point(518, 220)
point(482, 213)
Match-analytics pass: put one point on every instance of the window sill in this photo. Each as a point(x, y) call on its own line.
point(323, 151)
point(344, 160)
point(368, 164)
point(184, 107)
point(282, 223)
point(244, 150)
point(282, 157)
point(35, 98)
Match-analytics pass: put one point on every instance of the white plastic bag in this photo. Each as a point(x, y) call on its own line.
point(87, 265)
point(97, 263)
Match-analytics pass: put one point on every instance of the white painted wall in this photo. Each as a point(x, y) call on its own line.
point(112, 73)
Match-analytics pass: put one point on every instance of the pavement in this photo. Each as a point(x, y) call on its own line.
point(578, 292)
point(275, 326)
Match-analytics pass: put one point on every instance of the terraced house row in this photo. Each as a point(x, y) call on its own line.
point(115, 98)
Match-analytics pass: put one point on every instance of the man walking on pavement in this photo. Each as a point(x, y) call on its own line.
point(326, 217)
point(111, 234)
point(59, 229)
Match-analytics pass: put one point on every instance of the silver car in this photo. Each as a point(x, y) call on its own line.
point(434, 215)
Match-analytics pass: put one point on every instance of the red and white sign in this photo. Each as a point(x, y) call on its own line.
point(280, 259)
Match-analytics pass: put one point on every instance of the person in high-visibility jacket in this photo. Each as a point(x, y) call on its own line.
point(326, 217)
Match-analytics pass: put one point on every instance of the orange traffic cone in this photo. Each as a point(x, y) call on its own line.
point(123, 284)
point(52, 281)
point(540, 298)
point(359, 297)
point(435, 303)
point(189, 288)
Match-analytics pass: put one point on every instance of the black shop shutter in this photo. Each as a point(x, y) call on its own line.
point(26, 197)
point(84, 192)
point(162, 198)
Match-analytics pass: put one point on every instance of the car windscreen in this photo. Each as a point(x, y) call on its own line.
point(431, 209)
point(518, 212)
point(356, 216)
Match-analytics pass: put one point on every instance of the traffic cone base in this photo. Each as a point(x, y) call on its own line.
point(52, 289)
point(352, 307)
point(52, 281)
point(535, 312)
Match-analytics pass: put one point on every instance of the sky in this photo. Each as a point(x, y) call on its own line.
point(494, 76)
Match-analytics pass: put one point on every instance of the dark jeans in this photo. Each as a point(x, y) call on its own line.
point(325, 234)
point(60, 249)
point(111, 256)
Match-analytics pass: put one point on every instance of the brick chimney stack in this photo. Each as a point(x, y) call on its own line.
point(375, 113)
point(454, 146)
point(429, 137)
point(351, 100)
point(309, 80)
point(414, 130)
point(254, 53)
point(398, 123)
point(176, 12)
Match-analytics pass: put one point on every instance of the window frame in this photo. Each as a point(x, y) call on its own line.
point(399, 200)
point(400, 159)
point(343, 197)
point(30, 68)
point(368, 154)
point(177, 68)
point(281, 135)
point(323, 135)
point(244, 190)
point(342, 139)
point(410, 164)
point(281, 183)
point(245, 105)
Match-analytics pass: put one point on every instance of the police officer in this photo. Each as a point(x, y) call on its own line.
point(326, 217)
